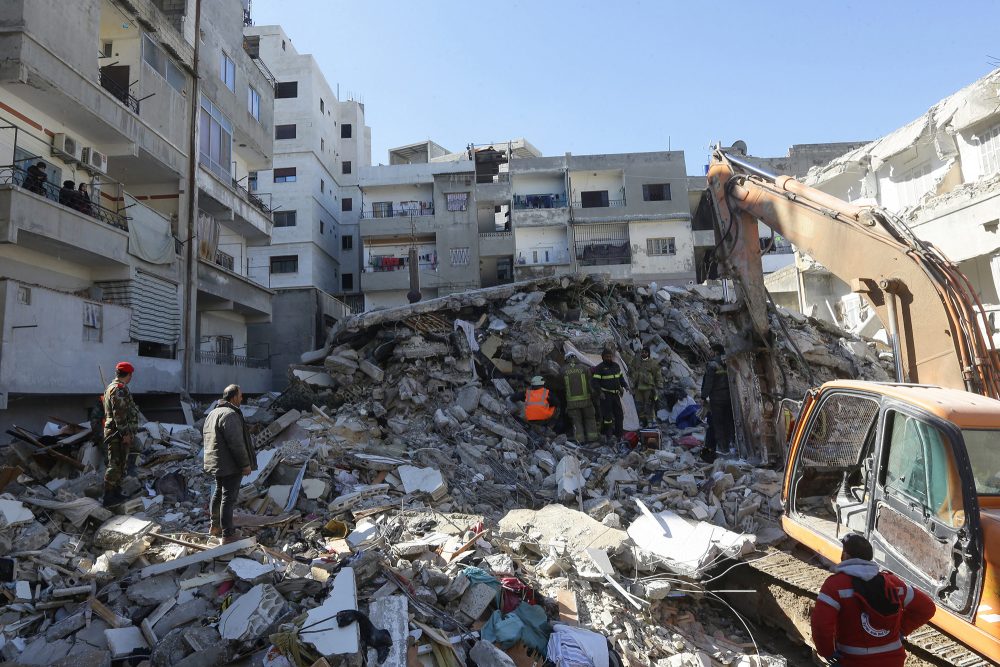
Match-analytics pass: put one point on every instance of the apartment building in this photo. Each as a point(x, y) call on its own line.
point(320, 143)
point(99, 92)
point(941, 175)
point(501, 212)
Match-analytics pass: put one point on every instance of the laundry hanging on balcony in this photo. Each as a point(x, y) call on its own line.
point(209, 230)
point(149, 236)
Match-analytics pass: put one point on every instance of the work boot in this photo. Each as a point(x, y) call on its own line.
point(215, 531)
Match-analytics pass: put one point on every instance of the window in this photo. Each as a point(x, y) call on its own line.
point(216, 139)
point(253, 102)
point(286, 89)
point(345, 167)
point(227, 72)
point(345, 131)
point(347, 281)
point(285, 264)
point(984, 456)
point(322, 186)
point(252, 181)
point(656, 192)
point(93, 314)
point(160, 63)
point(457, 201)
point(916, 183)
point(989, 151)
point(322, 226)
point(382, 209)
point(284, 218)
point(282, 45)
point(284, 174)
point(284, 131)
point(347, 204)
point(664, 246)
point(24, 295)
point(347, 242)
point(920, 467)
point(594, 199)
point(322, 107)
point(322, 144)
point(107, 49)
point(459, 256)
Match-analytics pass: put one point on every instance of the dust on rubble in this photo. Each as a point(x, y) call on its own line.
point(402, 507)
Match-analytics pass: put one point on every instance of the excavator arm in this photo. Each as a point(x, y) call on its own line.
point(928, 307)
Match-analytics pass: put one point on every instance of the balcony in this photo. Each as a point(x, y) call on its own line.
point(494, 244)
point(382, 279)
point(253, 199)
point(223, 359)
point(522, 202)
point(539, 217)
point(397, 222)
point(225, 199)
point(401, 211)
point(32, 217)
point(605, 203)
point(220, 288)
point(118, 91)
point(214, 370)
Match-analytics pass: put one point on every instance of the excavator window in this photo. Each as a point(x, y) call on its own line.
point(920, 467)
point(984, 455)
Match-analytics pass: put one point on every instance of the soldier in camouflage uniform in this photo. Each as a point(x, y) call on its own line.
point(648, 381)
point(121, 422)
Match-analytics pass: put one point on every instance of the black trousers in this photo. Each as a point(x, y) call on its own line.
point(227, 488)
point(612, 417)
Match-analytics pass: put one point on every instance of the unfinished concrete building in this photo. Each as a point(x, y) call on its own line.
point(100, 93)
point(500, 212)
point(941, 175)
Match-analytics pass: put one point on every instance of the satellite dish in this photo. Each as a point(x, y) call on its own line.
point(739, 146)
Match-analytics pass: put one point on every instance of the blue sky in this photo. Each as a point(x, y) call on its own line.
point(638, 75)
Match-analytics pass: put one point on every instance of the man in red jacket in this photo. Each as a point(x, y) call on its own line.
point(862, 614)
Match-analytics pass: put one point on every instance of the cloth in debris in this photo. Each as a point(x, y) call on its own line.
point(688, 417)
point(527, 624)
point(576, 647)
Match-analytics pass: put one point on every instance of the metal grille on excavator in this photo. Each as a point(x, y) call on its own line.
point(808, 579)
point(839, 430)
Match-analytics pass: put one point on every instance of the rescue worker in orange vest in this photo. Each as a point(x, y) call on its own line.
point(862, 613)
point(539, 406)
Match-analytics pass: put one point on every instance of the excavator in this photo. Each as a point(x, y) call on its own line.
point(914, 464)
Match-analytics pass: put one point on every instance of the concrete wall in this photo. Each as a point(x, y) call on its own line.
point(48, 334)
point(537, 239)
point(677, 268)
point(296, 328)
point(538, 184)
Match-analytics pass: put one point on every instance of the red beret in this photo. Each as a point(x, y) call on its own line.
point(125, 366)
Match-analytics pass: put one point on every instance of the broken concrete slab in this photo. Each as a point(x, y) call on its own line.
point(556, 521)
point(123, 642)
point(487, 655)
point(153, 590)
point(475, 601)
point(391, 614)
point(324, 633)
point(121, 531)
point(423, 480)
point(13, 512)
point(200, 557)
point(249, 570)
point(251, 613)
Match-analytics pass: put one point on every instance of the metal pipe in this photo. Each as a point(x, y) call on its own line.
point(190, 319)
point(749, 167)
point(897, 353)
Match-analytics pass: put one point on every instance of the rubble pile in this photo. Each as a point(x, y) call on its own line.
point(401, 510)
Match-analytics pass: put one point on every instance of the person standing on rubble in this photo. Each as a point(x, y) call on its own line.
point(580, 413)
point(609, 383)
point(648, 383)
point(121, 423)
point(229, 456)
point(862, 613)
point(715, 393)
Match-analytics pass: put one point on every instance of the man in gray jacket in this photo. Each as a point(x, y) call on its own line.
point(229, 456)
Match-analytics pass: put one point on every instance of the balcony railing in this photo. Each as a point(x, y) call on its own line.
point(223, 359)
point(371, 214)
point(496, 235)
point(225, 260)
point(539, 201)
point(119, 93)
point(383, 268)
point(254, 200)
point(611, 203)
point(16, 175)
point(502, 177)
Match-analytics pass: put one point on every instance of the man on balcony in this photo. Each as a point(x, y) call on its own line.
point(121, 422)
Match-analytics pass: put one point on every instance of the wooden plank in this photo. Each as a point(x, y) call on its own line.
point(204, 556)
point(568, 606)
point(173, 540)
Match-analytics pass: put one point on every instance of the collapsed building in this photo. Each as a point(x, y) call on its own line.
point(402, 510)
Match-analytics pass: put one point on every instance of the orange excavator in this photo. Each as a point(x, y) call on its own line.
point(914, 465)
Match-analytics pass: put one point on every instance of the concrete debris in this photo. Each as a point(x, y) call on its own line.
point(404, 487)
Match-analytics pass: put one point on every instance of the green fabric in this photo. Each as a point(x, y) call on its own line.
point(504, 632)
point(527, 623)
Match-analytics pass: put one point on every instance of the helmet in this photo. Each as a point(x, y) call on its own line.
point(537, 381)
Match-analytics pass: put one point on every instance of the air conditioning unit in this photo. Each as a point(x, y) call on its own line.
point(67, 147)
point(95, 161)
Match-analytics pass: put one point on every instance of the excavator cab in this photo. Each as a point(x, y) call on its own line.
point(904, 465)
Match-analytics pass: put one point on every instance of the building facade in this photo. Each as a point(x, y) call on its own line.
point(498, 213)
point(89, 279)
